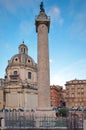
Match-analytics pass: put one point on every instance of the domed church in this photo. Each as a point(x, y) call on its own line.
point(21, 81)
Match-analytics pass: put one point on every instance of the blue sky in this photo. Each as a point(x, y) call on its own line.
point(67, 36)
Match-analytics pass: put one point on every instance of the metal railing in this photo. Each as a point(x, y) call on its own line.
point(76, 120)
point(31, 120)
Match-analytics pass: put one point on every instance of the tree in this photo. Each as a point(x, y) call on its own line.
point(63, 112)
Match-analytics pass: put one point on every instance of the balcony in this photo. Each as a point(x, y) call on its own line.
point(14, 77)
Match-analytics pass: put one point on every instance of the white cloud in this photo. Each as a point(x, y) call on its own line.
point(50, 60)
point(76, 70)
point(55, 15)
point(56, 11)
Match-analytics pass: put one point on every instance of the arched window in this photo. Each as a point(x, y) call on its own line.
point(29, 75)
point(21, 49)
point(15, 72)
point(24, 50)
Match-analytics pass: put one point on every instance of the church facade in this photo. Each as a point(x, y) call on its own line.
point(20, 88)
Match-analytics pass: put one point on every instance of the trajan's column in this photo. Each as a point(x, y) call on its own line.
point(42, 23)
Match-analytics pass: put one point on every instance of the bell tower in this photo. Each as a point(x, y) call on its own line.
point(42, 23)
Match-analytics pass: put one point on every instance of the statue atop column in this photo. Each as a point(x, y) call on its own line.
point(42, 7)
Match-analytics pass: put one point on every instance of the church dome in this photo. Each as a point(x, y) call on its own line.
point(22, 58)
point(22, 66)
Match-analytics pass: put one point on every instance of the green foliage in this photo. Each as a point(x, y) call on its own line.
point(63, 112)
